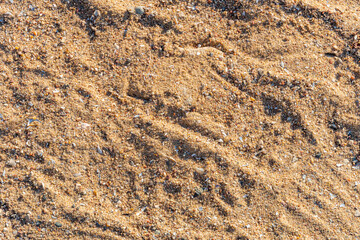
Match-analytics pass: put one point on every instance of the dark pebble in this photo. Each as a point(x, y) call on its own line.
point(333, 127)
point(58, 224)
point(139, 10)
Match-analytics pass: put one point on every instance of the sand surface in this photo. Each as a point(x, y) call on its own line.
point(176, 119)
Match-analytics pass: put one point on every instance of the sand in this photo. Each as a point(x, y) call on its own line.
point(176, 119)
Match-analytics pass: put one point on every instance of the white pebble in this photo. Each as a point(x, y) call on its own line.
point(11, 163)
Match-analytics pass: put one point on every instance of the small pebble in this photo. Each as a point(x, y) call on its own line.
point(58, 224)
point(333, 127)
point(200, 170)
point(357, 213)
point(97, 13)
point(139, 10)
point(332, 196)
point(11, 163)
point(99, 150)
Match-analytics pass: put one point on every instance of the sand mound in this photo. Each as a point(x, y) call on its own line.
point(175, 119)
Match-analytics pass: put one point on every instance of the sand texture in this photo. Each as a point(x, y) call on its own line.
point(177, 119)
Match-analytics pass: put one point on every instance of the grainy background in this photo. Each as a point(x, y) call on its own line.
point(179, 119)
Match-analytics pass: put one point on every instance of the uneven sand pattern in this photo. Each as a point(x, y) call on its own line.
point(206, 119)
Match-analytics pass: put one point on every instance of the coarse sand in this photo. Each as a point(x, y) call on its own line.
point(178, 119)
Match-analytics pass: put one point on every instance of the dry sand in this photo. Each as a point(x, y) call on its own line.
point(206, 119)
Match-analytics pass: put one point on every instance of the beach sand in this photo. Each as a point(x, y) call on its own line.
point(175, 119)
